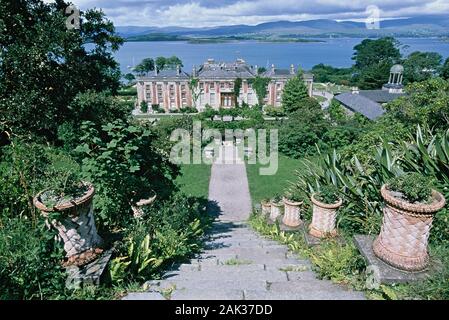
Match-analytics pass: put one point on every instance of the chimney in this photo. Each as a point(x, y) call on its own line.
point(194, 72)
point(256, 67)
point(155, 70)
point(178, 70)
point(292, 69)
point(273, 68)
point(355, 90)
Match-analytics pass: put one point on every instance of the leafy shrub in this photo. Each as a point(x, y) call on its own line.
point(336, 262)
point(328, 194)
point(144, 107)
point(413, 187)
point(29, 261)
point(274, 111)
point(124, 164)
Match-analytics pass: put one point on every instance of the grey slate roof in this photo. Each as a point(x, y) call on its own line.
point(166, 74)
point(361, 104)
point(225, 70)
point(380, 96)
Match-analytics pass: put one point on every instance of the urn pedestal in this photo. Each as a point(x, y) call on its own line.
point(76, 227)
point(275, 211)
point(292, 214)
point(403, 239)
point(266, 208)
point(324, 219)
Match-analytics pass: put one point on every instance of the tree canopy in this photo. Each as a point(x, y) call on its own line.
point(373, 60)
point(295, 92)
point(44, 65)
point(420, 66)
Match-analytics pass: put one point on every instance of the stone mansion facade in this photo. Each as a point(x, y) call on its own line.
point(170, 90)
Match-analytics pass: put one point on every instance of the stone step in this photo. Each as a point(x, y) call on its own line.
point(311, 295)
point(167, 285)
point(311, 286)
point(270, 276)
point(250, 251)
point(153, 296)
point(215, 295)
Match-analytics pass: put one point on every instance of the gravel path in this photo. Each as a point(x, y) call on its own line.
point(238, 264)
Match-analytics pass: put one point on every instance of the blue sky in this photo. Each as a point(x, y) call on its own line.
point(204, 13)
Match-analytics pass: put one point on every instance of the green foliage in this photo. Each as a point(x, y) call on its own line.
point(426, 104)
point(336, 112)
point(328, 194)
point(125, 165)
point(445, 70)
point(303, 130)
point(237, 88)
point(277, 112)
point(145, 66)
point(373, 60)
point(260, 85)
point(324, 73)
point(51, 64)
point(414, 187)
point(294, 93)
point(335, 262)
point(67, 189)
point(29, 262)
point(420, 66)
point(144, 107)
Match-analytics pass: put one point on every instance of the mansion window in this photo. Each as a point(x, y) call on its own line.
point(212, 85)
point(201, 86)
point(160, 94)
point(212, 98)
point(222, 85)
point(148, 92)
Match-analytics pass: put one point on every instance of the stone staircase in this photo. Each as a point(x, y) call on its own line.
point(238, 264)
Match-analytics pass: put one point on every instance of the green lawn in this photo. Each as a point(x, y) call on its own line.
point(194, 180)
point(267, 186)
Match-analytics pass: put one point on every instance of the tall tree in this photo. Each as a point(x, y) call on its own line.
point(45, 65)
point(295, 92)
point(445, 70)
point(420, 66)
point(145, 66)
point(373, 60)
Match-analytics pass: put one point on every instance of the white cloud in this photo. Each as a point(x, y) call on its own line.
point(203, 13)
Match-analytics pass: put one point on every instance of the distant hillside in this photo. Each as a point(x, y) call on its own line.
point(423, 26)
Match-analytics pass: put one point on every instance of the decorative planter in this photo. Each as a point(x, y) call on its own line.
point(209, 153)
point(138, 208)
point(403, 239)
point(266, 208)
point(324, 219)
point(76, 227)
point(292, 213)
point(276, 211)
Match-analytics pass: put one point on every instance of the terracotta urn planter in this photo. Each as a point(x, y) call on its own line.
point(292, 213)
point(266, 208)
point(76, 227)
point(324, 218)
point(403, 239)
point(276, 211)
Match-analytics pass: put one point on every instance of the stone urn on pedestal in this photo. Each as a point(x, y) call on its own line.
point(74, 220)
point(138, 210)
point(292, 213)
point(265, 207)
point(276, 209)
point(402, 242)
point(324, 214)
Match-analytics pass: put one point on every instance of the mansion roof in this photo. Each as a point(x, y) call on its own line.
point(222, 70)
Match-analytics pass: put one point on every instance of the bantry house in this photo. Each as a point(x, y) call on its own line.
point(214, 86)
